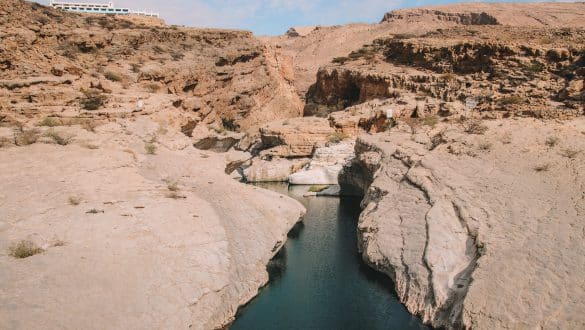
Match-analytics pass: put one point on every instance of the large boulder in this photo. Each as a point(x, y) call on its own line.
point(276, 170)
point(295, 137)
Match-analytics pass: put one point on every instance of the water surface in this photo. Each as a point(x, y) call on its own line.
point(318, 280)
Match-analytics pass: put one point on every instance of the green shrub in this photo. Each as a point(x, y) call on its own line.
point(59, 138)
point(485, 146)
point(513, 99)
point(50, 122)
point(340, 60)
point(570, 153)
point(176, 55)
point(26, 137)
point(337, 137)
point(542, 167)
point(4, 141)
point(93, 99)
point(552, 141)
point(135, 67)
point(534, 67)
point(113, 76)
point(24, 249)
point(475, 127)
point(430, 121)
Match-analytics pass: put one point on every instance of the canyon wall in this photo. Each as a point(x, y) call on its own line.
point(475, 236)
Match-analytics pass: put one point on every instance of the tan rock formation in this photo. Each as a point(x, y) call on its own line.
point(131, 239)
point(489, 237)
point(297, 137)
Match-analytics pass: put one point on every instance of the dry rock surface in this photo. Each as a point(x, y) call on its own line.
point(124, 224)
point(120, 139)
point(478, 230)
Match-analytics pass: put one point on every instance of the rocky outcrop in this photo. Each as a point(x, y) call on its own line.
point(510, 14)
point(275, 170)
point(325, 165)
point(480, 18)
point(457, 231)
point(368, 117)
point(497, 71)
point(132, 239)
point(218, 77)
point(297, 137)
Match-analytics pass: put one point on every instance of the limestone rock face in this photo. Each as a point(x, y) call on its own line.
point(368, 117)
point(296, 137)
point(325, 165)
point(275, 170)
point(132, 240)
point(498, 71)
point(217, 76)
point(457, 232)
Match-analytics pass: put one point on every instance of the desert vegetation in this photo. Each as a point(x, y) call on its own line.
point(24, 249)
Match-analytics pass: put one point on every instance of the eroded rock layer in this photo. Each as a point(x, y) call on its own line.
point(476, 231)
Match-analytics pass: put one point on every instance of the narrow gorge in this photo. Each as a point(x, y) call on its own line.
point(423, 171)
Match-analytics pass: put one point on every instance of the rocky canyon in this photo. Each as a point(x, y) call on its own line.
point(126, 145)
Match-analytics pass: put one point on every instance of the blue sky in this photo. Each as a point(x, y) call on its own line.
point(271, 17)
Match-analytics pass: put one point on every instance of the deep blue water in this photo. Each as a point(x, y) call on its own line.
point(318, 280)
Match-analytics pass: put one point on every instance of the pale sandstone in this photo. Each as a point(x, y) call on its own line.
point(491, 240)
point(153, 258)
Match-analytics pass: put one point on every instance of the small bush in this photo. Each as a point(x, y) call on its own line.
point(158, 49)
point(89, 125)
point(175, 195)
point(59, 138)
point(570, 153)
point(318, 188)
point(150, 148)
point(58, 242)
point(449, 77)
point(485, 146)
point(135, 67)
point(552, 141)
point(337, 137)
point(26, 137)
point(340, 60)
point(50, 122)
point(542, 167)
point(403, 36)
point(176, 56)
point(113, 76)
point(24, 249)
point(93, 99)
point(150, 145)
point(94, 211)
point(506, 138)
point(152, 87)
point(172, 185)
point(475, 127)
point(74, 200)
point(430, 121)
point(511, 100)
point(534, 67)
point(4, 141)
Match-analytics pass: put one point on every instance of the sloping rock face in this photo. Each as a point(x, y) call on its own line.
point(97, 165)
point(475, 231)
point(501, 71)
point(56, 63)
point(132, 240)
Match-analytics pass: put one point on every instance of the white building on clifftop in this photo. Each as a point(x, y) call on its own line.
point(98, 8)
